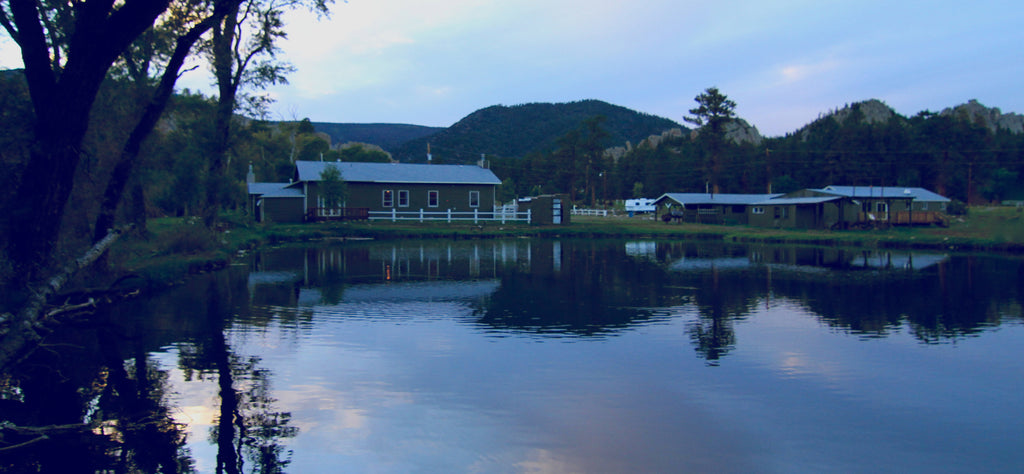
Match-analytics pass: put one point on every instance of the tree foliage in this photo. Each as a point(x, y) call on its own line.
point(332, 187)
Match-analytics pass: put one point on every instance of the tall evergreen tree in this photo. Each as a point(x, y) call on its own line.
point(714, 110)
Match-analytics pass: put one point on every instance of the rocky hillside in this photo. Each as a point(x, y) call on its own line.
point(991, 118)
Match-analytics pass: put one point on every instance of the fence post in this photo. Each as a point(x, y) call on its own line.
point(475, 215)
point(528, 215)
point(449, 216)
point(421, 214)
point(394, 215)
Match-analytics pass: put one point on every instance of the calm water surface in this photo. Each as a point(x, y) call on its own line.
point(550, 356)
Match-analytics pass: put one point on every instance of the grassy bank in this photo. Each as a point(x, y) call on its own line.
point(176, 247)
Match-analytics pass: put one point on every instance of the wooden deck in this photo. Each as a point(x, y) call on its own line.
point(904, 218)
point(322, 214)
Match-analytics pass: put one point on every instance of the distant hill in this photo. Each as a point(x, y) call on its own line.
point(516, 131)
point(388, 136)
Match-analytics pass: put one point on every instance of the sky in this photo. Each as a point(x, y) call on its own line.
point(784, 62)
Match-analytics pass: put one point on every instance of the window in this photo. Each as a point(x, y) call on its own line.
point(881, 207)
point(403, 198)
point(388, 199)
point(778, 211)
point(781, 212)
point(474, 199)
point(758, 210)
point(432, 198)
point(924, 206)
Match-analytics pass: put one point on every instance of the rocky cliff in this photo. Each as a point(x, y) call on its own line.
point(991, 118)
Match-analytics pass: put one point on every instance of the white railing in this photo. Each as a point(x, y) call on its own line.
point(589, 212)
point(475, 216)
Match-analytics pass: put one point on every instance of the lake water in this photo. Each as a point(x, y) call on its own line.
point(514, 356)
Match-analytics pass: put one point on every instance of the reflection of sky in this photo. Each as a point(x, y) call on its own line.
point(398, 378)
point(424, 392)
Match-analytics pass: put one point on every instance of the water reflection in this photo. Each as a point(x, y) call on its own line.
point(435, 352)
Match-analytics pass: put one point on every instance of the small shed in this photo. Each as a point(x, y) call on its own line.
point(275, 202)
point(547, 209)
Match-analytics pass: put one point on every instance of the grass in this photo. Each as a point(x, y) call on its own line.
point(176, 246)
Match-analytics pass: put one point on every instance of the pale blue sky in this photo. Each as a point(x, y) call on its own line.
point(784, 62)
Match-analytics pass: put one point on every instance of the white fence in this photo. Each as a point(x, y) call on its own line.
point(500, 214)
point(589, 212)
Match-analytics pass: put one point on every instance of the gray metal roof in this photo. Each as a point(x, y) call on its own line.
point(263, 188)
point(798, 200)
point(692, 199)
point(398, 173)
point(890, 192)
point(274, 190)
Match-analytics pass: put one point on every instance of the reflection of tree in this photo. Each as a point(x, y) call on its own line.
point(99, 412)
point(596, 292)
point(153, 441)
point(719, 305)
point(247, 429)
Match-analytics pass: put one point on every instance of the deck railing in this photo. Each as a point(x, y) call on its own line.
point(317, 214)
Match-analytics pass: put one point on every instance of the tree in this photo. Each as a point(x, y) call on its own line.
point(67, 52)
point(137, 62)
point(332, 187)
point(242, 53)
point(714, 111)
point(67, 49)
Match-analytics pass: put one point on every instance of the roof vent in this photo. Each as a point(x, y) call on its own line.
point(906, 192)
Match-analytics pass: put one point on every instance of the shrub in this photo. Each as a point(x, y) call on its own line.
point(956, 208)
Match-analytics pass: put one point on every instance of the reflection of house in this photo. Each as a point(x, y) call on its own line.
point(376, 187)
point(708, 208)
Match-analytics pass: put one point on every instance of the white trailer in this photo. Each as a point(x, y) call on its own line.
point(640, 205)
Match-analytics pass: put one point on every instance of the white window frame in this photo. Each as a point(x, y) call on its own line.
point(758, 210)
point(403, 198)
point(471, 195)
point(387, 198)
point(881, 207)
point(433, 198)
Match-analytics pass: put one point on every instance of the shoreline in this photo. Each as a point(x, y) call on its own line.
point(178, 247)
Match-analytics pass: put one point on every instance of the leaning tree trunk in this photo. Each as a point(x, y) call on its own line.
point(154, 109)
point(26, 328)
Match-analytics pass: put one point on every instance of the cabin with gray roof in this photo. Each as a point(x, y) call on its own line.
point(380, 187)
point(707, 208)
point(832, 207)
point(804, 209)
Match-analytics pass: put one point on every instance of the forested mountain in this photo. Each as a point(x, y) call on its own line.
point(968, 152)
point(516, 131)
point(388, 136)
